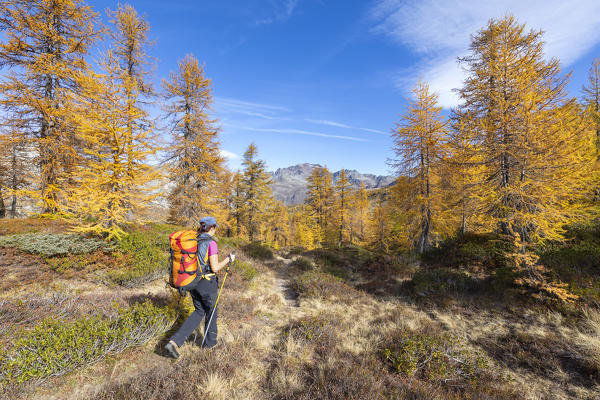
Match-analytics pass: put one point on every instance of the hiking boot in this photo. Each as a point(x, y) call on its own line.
point(171, 349)
point(212, 346)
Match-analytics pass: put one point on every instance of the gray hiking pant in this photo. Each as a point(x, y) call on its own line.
point(204, 296)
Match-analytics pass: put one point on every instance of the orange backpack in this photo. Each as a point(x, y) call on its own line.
point(185, 267)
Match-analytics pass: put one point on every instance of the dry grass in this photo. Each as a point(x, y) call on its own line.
point(30, 225)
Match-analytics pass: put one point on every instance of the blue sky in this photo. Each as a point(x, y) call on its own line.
point(324, 81)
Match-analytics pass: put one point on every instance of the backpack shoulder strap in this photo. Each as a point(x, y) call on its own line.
point(203, 245)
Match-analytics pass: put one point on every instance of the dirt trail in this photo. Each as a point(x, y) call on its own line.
point(282, 282)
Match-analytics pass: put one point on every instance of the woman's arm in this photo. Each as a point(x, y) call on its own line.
point(217, 265)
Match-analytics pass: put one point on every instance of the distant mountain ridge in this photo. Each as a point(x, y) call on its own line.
point(289, 184)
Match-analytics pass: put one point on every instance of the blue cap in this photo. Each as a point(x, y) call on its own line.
point(208, 221)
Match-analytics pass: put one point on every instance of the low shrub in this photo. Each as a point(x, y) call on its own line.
point(329, 257)
point(441, 281)
point(322, 285)
point(147, 258)
point(503, 278)
point(183, 306)
point(258, 251)
point(576, 261)
point(97, 261)
point(309, 328)
point(437, 358)
point(487, 250)
point(573, 262)
point(54, 244)
point(18, 312)
point(294, 251)
point(337, 271)
point(53, 347)
point(247, 271)
point(302, 263)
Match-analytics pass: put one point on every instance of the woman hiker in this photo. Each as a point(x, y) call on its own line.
point(204, 294)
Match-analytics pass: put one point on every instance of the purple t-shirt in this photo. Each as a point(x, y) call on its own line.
point(212, 248)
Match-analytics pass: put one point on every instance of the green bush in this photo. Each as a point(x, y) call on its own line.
point(503, 278)
point(148, 258)
point(309, 328)
point(576, 261)
point(303, 264)
point(247, 271)
point(54, 244)
point(438, 358)
point(258, 251)
point(294, 251)
point(329, 257)
point(322, 285)
point(54, 347)
point(571, 261)
point(337, 271)
point(485, 249)
point(440, 281)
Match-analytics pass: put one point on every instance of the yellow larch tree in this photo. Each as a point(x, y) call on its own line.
point(115, 181)
point(301, 229)
point(257, 192)
point(463, 170)
point(420, 147)
point(196, 166)
point(361, 207)
point(320, 199)
point(379, 226)
point(236, 205)
point(534, 150)
point(44, 47)
point(16, 173)
point(591, 98)
point(275, 224)
point(342, 196)
point(353, 216)
point(129, 34)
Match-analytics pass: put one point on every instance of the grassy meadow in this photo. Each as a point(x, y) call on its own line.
point(83, 318)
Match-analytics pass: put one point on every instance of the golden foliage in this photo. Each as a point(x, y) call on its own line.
point(420, 147)
point(320, 200)
point(343, 199)
point(532, 275)
point(44, 47)
point(256, 193)
point(528, 134)
point(196, 166)
point(115, 181)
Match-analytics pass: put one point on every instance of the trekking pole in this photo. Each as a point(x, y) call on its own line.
point(216, 302)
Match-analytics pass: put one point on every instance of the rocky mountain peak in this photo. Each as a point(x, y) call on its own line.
point(289, 184)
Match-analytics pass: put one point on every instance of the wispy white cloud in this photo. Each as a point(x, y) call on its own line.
point(340, 125)
point(247, 105)
point(233, 108)
point(439, 31)
point(229, 155)
point(260, 115)
point(295, 132)
point(282, 12)
point(265, 111)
